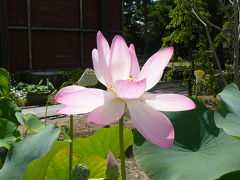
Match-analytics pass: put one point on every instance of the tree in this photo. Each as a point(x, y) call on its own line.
point(145, 22)
point(192, 26)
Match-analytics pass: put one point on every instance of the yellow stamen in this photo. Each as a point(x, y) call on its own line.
point(111, 90)
point(130, 79)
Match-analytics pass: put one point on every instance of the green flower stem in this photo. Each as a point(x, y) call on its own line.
point(46, 111)
point(197, 88)
point(122, 155)
point(71, 147)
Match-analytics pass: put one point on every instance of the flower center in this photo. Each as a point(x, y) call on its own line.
point(111, 90)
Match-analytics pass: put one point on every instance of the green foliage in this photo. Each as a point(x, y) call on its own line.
point(8, 109)
point(156, 13)
point(189, 37)
point(200, 150)
point(39, 88)
point(8, 134)
point(229, 73)
point(91, 151)
point(185, 28)
point(169, 74)
point(4, 82)
point(30, 122)
point(26, 151)
point(20, 91)
point(65, 131)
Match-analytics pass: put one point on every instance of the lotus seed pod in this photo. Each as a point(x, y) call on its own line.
point(80, 172)
point(112, 172)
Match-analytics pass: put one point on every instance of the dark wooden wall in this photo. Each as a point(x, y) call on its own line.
point(4, 55)
point(58, 34)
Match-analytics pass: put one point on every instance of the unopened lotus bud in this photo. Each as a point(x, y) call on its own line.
point(199, 75)
point(112, 172)
point(80, 172)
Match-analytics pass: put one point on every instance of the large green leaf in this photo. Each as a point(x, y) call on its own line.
point(8, 133)
point(235, 175)
point(7, 110)
point(227, 115)
point(91, 151)
point(38, 168)
point(30, 122)
point(201, 151)
point(4, 82)
point(54, 165)
point(59, 164)
point(26, 151)
point(103, 141)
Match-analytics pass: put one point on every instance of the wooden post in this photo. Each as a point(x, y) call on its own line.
point(4, 55)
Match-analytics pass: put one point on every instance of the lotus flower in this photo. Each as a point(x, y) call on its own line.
point(117, 68)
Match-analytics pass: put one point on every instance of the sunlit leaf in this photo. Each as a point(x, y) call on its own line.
point(104, 141)
point(30, 122)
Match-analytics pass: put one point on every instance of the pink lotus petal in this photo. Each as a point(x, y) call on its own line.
point(169, 102)
point(72, 110)
point(120, 60)
point(135, 69)
point(153, 68)
point(87, 98)
point(102, 63)
point(152, 124)
point(68, 90)
point(107, 114)
point(97, 67)
point(130, 90)
point(103, 47)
